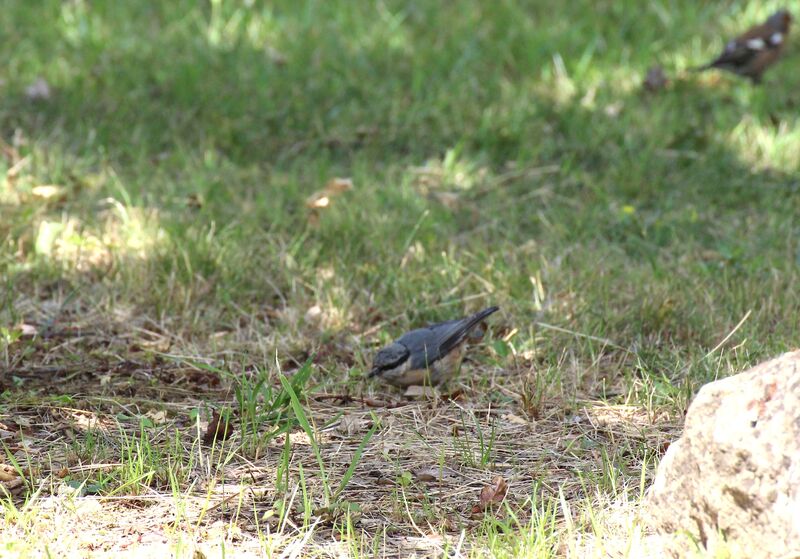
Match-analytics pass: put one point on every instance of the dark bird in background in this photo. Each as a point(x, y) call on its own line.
point(757, 49)
point(426, 356)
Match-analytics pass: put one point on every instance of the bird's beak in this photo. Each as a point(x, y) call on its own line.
point(374, 371)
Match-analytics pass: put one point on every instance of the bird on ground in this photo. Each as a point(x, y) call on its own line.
point(427, 356)
point(753, 52)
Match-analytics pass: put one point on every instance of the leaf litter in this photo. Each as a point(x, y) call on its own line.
point(417, 451)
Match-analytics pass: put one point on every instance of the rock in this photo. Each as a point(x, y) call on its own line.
point(732, 481)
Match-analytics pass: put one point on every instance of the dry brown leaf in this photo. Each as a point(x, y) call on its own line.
point(492, 494)
point(158, 417)
point(219, 428)
point(323, 198)
point(351, 424)
point(10, 480)
point(339, 185)
point(8, 473)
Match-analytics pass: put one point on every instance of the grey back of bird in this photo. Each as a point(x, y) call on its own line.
point(428, 345)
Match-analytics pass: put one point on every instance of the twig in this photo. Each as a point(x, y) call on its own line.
point(346, 399)
point(728, 337)
point(581, 335)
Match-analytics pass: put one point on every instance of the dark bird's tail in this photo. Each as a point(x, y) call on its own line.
point(462, 329)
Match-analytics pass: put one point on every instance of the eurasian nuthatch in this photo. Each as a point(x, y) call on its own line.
point(426, 356)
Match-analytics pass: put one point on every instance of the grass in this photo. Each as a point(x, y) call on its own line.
point(639, 245)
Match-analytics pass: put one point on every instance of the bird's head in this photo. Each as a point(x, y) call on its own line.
point(780, 20)
point(389, 358)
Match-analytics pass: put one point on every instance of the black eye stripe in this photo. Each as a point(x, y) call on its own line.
point(387, 364)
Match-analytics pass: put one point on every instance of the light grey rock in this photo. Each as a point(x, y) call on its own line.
point(732, 481)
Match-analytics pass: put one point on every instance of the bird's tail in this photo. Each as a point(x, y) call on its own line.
point(463, 329)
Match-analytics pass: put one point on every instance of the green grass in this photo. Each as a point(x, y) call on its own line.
point(501, 153)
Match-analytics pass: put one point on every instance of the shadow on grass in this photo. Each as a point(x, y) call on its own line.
point(186, 161)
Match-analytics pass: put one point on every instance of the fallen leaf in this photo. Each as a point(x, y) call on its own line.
point(317, 201)
point(415, 391)
point(10, 480)
point(515, 419)
point(339, 185)
point(8, 473)
point(431, 473)
point(28, 330)
point(351, 424)
point(219, 428)
point(492, 494)
point(157, 416)
point(323, 198)
point(48, 191)
point(313, 315)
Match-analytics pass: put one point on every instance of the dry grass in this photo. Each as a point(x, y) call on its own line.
point(415, 488)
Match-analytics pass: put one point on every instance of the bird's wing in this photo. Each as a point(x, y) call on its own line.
point(460, 331)
point(428, 345)
point(742, 50)
point(738, 53)
point(423, 346)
